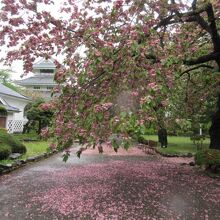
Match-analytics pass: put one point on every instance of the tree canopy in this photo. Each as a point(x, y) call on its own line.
point(35, 114)
point(121, 57)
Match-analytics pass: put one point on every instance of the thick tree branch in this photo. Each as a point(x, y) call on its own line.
point(166, 21)
point(196, 67)
point(201, 21)
point(194, 5)
point(178, 17)
point(202, 59)
point(214, 31)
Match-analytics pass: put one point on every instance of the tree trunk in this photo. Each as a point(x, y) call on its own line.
point(25, 128)
point(214, 130)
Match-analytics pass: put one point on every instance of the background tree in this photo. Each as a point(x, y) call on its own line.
point(193, 101)
point(5, 79)
point(135, 46)
point(37, 116)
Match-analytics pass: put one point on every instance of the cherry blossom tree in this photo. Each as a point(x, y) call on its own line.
point(112, 48)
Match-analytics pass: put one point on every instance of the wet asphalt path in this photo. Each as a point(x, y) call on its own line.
point(108, 187)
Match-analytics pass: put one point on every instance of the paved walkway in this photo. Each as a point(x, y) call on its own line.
point(132, 186)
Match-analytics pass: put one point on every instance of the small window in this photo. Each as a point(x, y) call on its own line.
point(36, 87)
point(46, 71)
point(49, 87)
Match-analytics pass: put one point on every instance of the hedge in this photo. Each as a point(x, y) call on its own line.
point(9, 144)
point(5, 151)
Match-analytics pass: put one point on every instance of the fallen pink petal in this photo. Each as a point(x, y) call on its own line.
point(127, 185)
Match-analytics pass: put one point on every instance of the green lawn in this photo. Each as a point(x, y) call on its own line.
point(32, 136)
point(33, 148)
point(177, 145)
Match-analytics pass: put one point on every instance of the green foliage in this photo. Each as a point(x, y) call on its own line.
point(16, 146)
point(208, 157)
point(36, 115)
point(193, 101)
point(33, 149)
point(132, 126)
point(12, 86)
point(5, 151)
point(32, 136)
point(36, 148)
point(177, 144)
point(4, 76)
point(123, 52)
point(67, 144)
point(3, 130)
point(5, 79)
point(9, 144)
point(66, 156)
point(115, 145)
point(198, 140)
point(3, 110)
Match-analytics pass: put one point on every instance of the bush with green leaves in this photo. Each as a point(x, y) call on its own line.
point(208, 157)
point(5, 151)
point(37, 116)
point(9, 144)
point(198, 140)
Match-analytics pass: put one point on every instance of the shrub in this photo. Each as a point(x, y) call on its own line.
point(10, 141)
point(198, 140)
point(208, 157)
point(5, 151)
point(17, 146)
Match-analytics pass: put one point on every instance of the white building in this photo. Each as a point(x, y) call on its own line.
point(12, 106)
point(42, 82)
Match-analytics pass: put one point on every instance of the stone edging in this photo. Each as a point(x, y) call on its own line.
point(174, 155)
point(20, 163)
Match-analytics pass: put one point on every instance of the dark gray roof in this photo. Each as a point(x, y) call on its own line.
point(7, 91)
point(10, 108)
point(44, 64)
point(37, 80)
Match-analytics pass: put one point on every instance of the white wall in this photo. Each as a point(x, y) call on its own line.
point(18, 103)
point(43, 91)
point(15, 120)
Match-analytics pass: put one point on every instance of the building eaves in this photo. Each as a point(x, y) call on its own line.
point(9, 108)
point(37, 80)
point(4, 90)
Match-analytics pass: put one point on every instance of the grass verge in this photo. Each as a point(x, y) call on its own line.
point(178, 145)
point(33, 149)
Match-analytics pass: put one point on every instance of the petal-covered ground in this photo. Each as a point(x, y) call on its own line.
point(126, 186)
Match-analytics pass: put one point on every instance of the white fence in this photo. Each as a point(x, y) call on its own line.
point(14, 126)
